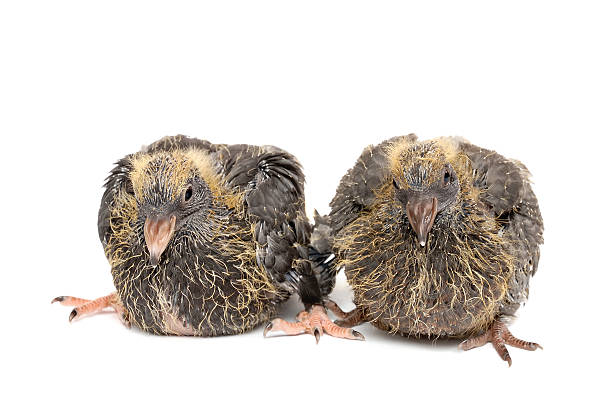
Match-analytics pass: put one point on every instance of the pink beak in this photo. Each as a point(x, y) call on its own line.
point(158, 231)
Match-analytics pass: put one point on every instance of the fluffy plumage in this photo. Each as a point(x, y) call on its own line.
point(437, 238)
point(206, 239)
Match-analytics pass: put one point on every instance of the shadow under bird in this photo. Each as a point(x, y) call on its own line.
point(438, 238)
point(208, 239)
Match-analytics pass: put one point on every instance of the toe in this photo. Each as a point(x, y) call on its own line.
point(334, 330)
point(284, 327)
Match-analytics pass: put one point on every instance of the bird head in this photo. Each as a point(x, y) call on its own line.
point(172, 190)
point(425, 183)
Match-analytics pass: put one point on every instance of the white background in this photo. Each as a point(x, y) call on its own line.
point(81, 85)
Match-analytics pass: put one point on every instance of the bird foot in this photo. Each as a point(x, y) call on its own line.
point(88, 307)
point(314, 321)
point(499, 336)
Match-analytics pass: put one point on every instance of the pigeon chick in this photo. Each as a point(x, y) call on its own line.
point(438, 239)
point(207, 240)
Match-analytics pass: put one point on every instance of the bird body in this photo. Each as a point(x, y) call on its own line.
point(205, 239)
point(438, 238)
point(209, 280)
point(208, 239)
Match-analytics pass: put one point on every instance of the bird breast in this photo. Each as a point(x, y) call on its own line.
point(452, 287)
point(200, 287)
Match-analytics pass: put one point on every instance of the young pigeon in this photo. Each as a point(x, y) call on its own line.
point(438, 239)
point(206, 240)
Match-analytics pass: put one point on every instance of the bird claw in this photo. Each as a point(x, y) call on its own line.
point(357, 335)
point(267, 329)
point(499, 336)
point(317, 334)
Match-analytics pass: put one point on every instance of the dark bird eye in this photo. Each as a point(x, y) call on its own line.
point(447, 177)
point(188, 193)
point(395, 184)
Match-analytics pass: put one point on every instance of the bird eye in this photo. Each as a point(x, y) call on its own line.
point(188, 193)
point(447, 178)
point(395, 184)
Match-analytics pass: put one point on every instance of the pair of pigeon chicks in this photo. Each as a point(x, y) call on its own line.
point(438, 238)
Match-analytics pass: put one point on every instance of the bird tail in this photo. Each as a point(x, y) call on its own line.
point(321, 255)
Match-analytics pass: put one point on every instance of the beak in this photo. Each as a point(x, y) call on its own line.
point(158, 231)
point(421, 215)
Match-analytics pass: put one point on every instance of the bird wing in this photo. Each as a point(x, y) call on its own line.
point(273, 183)
point(504, 182)
point(505, 187)
point(357, 189)
point(506, 190)
point(117, 180)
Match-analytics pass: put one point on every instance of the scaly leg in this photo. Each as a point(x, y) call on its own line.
point(314, 321)
point(88, 307)
point(499, 336)
point(346, 319)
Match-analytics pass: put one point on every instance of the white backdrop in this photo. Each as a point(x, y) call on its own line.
point(83, 84)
